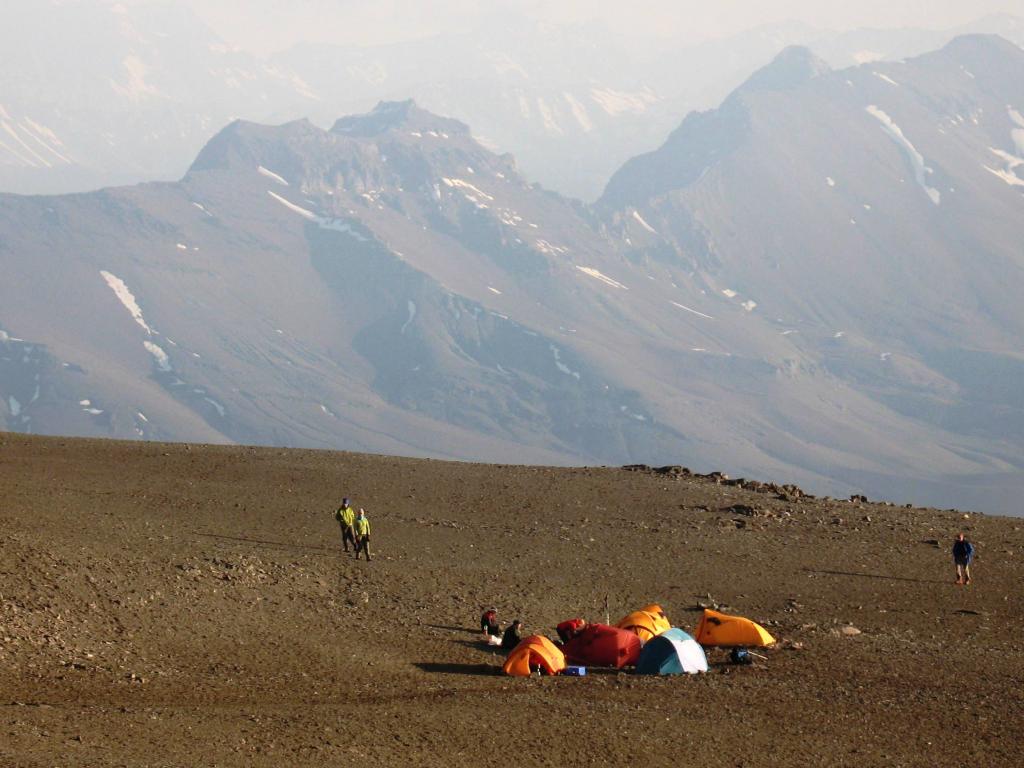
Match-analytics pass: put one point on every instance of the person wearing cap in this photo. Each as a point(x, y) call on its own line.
point(346, 517)
point(512, 635)
point(362, 531)
point(489, 622)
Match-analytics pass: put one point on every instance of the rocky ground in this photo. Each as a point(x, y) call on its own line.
point(179, 605)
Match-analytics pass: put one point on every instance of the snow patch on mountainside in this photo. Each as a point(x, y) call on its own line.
point(1017, 134)
point(689, 309)
point(557, 353)
point(293, 207)
point(126, 297)
point(163, 362)
point(547, 116)
point(337, 225)
point(545, 247)
point(886, 78)
point(271, 175)
point(135, 86)
point(35, 156)
point(579, 112)
point(45, 137)
point(524, 106)
point(866, 57)
point(1009, 173)
point(915, 157)
point(603, 278)
point(340, 225)
point(616, 103)
point(221, 410)
point(465, 185)
point(644, 224)
point(18, 158)
point(503, 64)
point(411, 307)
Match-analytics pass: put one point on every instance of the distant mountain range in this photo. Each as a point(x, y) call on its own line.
point(126, 94)
point(817, 281)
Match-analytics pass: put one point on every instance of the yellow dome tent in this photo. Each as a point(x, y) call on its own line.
point(649, 622)
point(534, 651)
point(721, 629)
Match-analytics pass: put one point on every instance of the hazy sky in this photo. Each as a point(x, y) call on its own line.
point(266, 25)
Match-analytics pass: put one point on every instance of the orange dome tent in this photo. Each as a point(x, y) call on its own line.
point(721, 629)
point(647, 623)
point(534, 651)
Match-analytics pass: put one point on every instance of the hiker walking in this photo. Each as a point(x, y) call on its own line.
point(963, 553)
point(346, 517)
point(362, 531)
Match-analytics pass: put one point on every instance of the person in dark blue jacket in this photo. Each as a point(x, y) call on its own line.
point(963, 553)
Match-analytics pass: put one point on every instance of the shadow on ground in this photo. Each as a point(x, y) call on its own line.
point(438, 668)
point(874, 576)
point(276, 544)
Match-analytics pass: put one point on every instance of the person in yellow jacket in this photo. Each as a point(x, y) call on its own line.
point(346, 517)
point(362, 526)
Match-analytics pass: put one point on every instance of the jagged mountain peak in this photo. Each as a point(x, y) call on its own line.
point(396, 145)
point(245, 143)
point(791, 68)
point(980, 42)
point(398, 115)
point(990, 61)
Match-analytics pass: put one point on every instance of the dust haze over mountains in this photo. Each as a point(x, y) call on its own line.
point(125, 92)
point(815, 277)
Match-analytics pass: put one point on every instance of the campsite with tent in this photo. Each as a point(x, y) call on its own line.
point(162, 600)
point(644, 640)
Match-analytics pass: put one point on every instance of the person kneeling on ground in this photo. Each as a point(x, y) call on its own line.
point(490, 628)
point(963, 553)
point(362, 527)
point(567, 630)
point(512, 635)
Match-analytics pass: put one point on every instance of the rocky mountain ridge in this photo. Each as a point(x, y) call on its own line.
point(774, 291)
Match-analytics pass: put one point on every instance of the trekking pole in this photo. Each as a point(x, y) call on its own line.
point(607, 614)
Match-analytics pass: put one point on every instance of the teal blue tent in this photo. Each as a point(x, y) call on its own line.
point(672, 653)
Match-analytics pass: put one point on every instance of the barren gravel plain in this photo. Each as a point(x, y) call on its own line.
point(187, 605)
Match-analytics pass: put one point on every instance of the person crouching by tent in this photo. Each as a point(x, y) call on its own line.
point(567, 630)
point(489, 625)
point(512, 635)
point(362, 531)
point(346, 517)
point(963, 553)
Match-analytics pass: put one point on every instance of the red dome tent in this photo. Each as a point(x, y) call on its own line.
point(598, 645)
